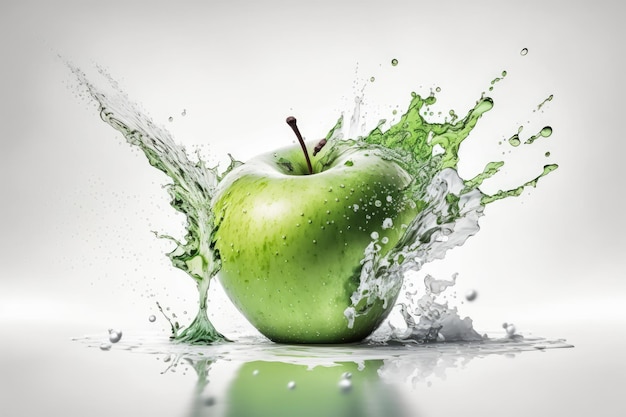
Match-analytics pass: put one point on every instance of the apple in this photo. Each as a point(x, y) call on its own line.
point(291, 233)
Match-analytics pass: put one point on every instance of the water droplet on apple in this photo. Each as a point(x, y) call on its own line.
point(255, 372)
point(389, 199)
point(314, 241)
point(327, 211)
point(345, 385)
point(342, 186)
point(170, 119)
point(115, 335)
point(471, 295)
point(378, 203)
point(152, 318)
point(385, 240)
point(374, 235)
point(310, 221)
point(291, 385)
point(330, 189)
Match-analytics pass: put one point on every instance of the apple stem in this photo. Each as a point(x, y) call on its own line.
point(291, 121)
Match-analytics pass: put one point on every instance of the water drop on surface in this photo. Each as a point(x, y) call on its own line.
point(291, 385)
point(115, 335)
point(510, 330)
point(152, 318)
point(255, 372)
point(471, 295)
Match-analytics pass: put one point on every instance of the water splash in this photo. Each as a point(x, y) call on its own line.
point(449, 211)
point(449, 206)
point(191, 188)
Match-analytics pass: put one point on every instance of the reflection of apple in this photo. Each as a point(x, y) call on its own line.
point(279, 389)
point(291, 243)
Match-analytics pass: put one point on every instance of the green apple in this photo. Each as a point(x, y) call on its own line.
point(291, 238)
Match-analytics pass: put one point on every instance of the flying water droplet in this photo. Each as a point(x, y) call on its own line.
point(523, 52)
point(394, 62)
point(105, 346)
point(152, 318)
point(471, 295)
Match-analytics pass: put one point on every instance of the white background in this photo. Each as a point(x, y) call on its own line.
point(78, 205)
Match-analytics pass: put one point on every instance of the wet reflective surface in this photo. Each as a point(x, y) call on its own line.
point(49, 370)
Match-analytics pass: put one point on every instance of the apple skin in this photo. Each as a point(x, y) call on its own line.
point(291, 244)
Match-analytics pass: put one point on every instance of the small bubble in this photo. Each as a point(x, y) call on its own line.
point(385, 240)
point(184, 112)
point(291, 385)
point(438, 89)
point(115, 335)
point(547, 154)
point(152, 318)
point(346, 375)
point(394, 62)
point(471, 295)
point(523, 52)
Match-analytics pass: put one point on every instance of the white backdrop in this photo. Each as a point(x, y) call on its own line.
point(78, 205)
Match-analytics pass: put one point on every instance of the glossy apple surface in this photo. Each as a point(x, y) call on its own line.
point(291, 243)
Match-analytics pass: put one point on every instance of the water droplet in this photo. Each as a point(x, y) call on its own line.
point(372, 79)
point(523, 52)
point(471, 295)
point(438, 89)
point(374, 235)
point(378, 203)
point(385, 240)
point(284, 237)
point(291, 385)
point(314, 241)
point(152, 318)
point(547, 154)
point(510, 330)
point(394, 62)
point(105, 346)
point(346, 375)
point(184, 112)
point(115, 335)
point(255, 372)
point(345, 385)
point(546, 131)
point(355, 207)
point(389, 199)
point(170, 119)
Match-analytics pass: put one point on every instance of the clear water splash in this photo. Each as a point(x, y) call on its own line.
point(191, 189)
